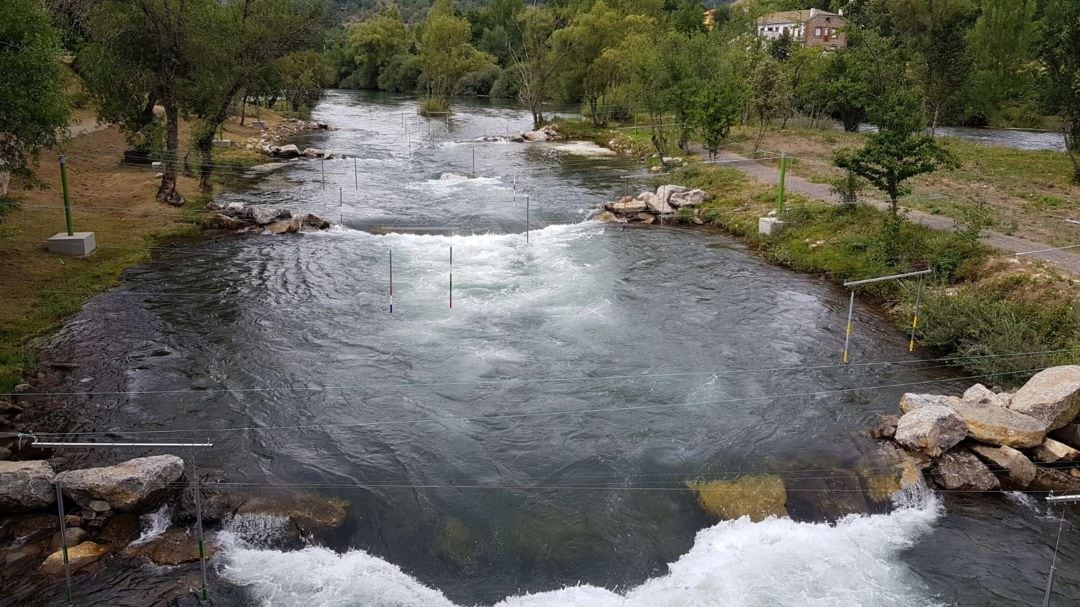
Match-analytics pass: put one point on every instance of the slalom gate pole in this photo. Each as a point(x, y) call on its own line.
point(847, 332)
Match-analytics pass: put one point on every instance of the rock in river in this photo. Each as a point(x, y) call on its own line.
point(909, 402)
point(1019, 471)
point(78, 556)
point(129, 486)
point(933, 430)
point(1051, 396)
point(25, 485)
point(997, 425)
point(174, 547)
point(963, 471)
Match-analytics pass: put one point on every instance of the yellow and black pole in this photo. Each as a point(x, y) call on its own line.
point(851, 304)
point(847, 332)
point(63, 538)
point(67, 200)
point(198, 522)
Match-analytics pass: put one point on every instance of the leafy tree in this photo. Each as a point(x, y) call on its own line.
point(445, 54)
point(1000, 49)
point(32, 104)
point(1060, 85)
point(540, 58)
point(716, 110)
point(899, 151)
point(590, 71)
point(304, 76)
point(138, 54)
point(770, 96)
point(373, 44)
point(781, 48)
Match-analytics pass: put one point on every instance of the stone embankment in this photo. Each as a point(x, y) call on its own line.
point(103, 507)
point(651, 207)
point(236, 216)
point(272, 142)
point(984, 440)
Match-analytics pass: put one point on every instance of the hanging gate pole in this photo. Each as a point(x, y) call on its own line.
point(451, 278)
point(391, 281)
point(198, 522)
point(63, 543)
point(526, 218)
point(847, 332)
point(915, 317)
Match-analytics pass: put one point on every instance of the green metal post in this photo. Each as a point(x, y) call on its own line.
point(783, 183)
point(67, 201)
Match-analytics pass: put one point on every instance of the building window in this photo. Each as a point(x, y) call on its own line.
point(817, 31)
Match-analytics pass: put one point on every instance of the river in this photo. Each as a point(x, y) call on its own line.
point(529, 445)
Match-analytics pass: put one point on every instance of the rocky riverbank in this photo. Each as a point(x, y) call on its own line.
point(236, 216)
point(652, 207)
point(130, 508)
point(984, 440)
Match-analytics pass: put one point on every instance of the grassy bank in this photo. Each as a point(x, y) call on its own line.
point(115, 202)
point(976, 305)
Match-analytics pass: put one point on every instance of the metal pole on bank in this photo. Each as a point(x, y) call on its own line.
point(63, 543)
point(915, 316)
point(67, 200)
point(783, 184)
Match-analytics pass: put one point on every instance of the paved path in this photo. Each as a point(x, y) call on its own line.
point(1066, 260)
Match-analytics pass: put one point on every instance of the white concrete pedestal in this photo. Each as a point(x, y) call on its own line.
point(79, 244)
point(767, 226)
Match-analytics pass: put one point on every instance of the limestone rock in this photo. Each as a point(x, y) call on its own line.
point(606, 217)
point(316, 222)
point(287, 151)
point(757, 497)
point(99, 506)
point(264, 215)
point(632, 207)
point(78, 557)
point(1018, 469)
point(960, 470)
point(174, 547)
point(306, 510)
point(1051, 396)
point(909, 402)
point(285, 226)
point(74, 535)
point(128, 486)
point(933, 430)
point(313, 153)
point(691, 198)
point(1068, 434)
point(665, 192)
point(224, 222)
point(886, 427)
point(647, 218)
point(1052, 451)
point(1000, 426)
point(657, 204)
point(1049, 479)
point(25, 485)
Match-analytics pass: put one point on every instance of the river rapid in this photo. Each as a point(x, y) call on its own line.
point(530, 445)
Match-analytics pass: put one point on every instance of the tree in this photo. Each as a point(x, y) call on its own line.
point(373, 44)
point(304, 76)
point(770, 97)
point(540, 57)
point(899, 151)
point(716, 109)
point(32, 104)
point(446, 55)
point(592, 69)
point(1060, 84)
point(1000, 49)
point(138, 55)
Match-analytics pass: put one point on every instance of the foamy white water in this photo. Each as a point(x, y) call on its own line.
point(777, 562)
point(154, 524)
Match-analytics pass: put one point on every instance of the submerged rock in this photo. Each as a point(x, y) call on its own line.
point(757, 497)
point(79, 556)
point(26, 485)
point(308, 511)
point(174, 547)
point(963, 471)
point(1052, 396)
point(129, 486)
point(932, 429)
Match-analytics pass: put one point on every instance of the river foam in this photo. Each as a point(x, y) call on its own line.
point(777, 562)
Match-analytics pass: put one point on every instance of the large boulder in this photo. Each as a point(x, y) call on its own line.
point(1052, 452)
point(657, 204)
point(26, 485)
point(1051, 396)
point(285, 226)
point(691, 198)
point(1016, 467)
point(264, 215)
point(963, 471)
point(78, 557)
point(222, 221)
point(1068, 434)
point(129, 486)
point(1049, 479)
point(287, 151)
point(308, 511)
point(996, 425)
point(629, 207)
point(981, 395)
point(909, 402)
point(932, 430)
point(316, 222)
point(665, 192)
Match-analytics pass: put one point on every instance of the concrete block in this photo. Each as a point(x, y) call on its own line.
point(767, 226)
point(222, 143)
point(258, 124)
point(79, 244)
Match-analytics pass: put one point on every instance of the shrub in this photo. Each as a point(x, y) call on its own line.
point(478, 83)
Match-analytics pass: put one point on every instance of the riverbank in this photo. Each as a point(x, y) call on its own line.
point(115, 201)
point(978, 304)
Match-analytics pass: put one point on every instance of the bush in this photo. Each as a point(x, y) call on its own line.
point(478, 83)
point(434, 106)
point(506, 85)
point(401, 75)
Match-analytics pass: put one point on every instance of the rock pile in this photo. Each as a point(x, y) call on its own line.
point(272, 143)
point(547, 133)
point(648, 207)
point(272, 220)
point(984, 440)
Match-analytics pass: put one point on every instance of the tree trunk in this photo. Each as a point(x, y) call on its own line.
point(204, 140)
point(1072, 147)
point(167, 190)
point(243, 106)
